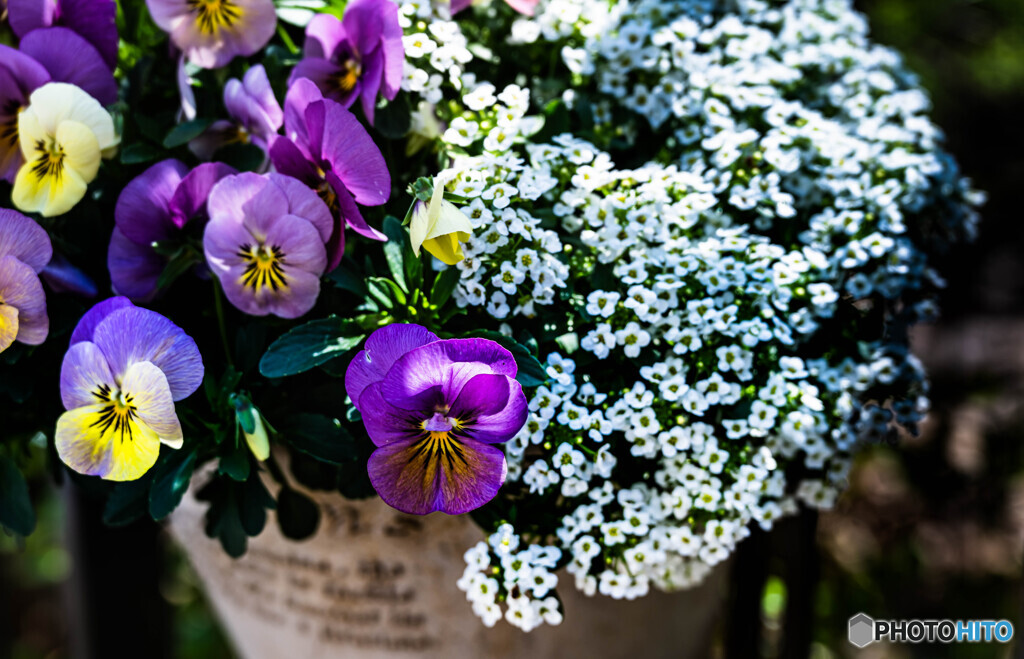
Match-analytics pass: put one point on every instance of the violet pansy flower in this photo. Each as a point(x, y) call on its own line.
point(24, 251)
point(327, 148)
point(213, 32)
point(435, 409)
point(69, 58)
point(357, 57)
point(93, 20)
point(265, 243)
point(156, 206)
point(256, 116)
point(525, 7)
point(124, 371)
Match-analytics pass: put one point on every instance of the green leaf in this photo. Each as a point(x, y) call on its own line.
point(385, 292)
point(297, 515)
point(256, 499)
point(344, 279)
point(128, 502)
point(531, 371)
point(236, 464)
point(182, 261)
point(171, 477)
point(185, 132)
point(139, 152)
point(223, 517)
point(16, 511)
point(444, 285)
point(310, 345)
point(394, 250)
point(320, 437)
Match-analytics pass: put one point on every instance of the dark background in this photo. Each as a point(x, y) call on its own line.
point(932, 528)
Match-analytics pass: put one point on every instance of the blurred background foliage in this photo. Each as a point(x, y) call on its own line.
point(931, 528)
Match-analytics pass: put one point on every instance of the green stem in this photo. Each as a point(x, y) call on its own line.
point(218, 305)
point(287, 39)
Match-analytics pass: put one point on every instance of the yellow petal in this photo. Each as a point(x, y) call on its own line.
point(8, 326)
point(81, 149)
point(57, 170)
point(449, 220)
point(446, 248)
point(90, 445)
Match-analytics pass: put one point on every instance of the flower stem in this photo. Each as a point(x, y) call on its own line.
point(218, 305)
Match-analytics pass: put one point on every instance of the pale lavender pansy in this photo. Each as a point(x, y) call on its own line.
point(24, 251)
point(124, 370)
point(155, 207)
point(256, 116)
point(327, 148)
point(435, 409)
point(357, 57)
point(265, 243)
point(212, 32)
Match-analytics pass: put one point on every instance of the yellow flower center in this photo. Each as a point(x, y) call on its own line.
point(118, 416)
point(264, 267)
point(49, 162)
point(214, 15)
point(348, 78)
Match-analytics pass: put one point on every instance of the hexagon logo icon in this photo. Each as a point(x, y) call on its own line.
point(862, 630)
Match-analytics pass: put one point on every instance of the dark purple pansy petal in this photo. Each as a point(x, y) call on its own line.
point(134, 269)
point(385, 423)
point(383, 348)
point(394, 52)
point(87, 325)
point(323, 35)
point(190, 197)
point(24, 239)
point(370, 83)
point(62, 276)
point(96, 21)
point(322, 73)
point(27, 15)
point(348, 214)
point(20, 288)
point(301, 93)
point(353, 156)
point(19, 76)
point(451, 363)
point(422, 476)
point(143, 209)
point(290, 161)
point(493, 408)
point(70, 58)
point(133, 334)
point(363, 23)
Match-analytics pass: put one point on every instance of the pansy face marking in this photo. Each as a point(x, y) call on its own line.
point(265, 267)
point(351, 69)
point(119, 415)
point(49, 163)
point(214, 15)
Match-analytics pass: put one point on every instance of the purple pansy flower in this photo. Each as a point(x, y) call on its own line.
point(255, 113)
point(359, 56)
point(212, 32)
point(265, 242)
point(68, 57)
point(155, 206)
point(24, 251)
point(20, 75)
point(435, 409)
point(525, 7)
point(330, 151)
point(62, 276)
point(121, 376)
point(93, 20)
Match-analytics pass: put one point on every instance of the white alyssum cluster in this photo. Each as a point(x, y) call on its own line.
point(731, 312)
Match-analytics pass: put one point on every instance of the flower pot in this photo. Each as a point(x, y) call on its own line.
point(373, 583)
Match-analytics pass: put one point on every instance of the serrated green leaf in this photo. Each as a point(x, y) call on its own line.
point(186, 132)
point(310, 345)
point(16, 511)
point(320, 437)
point(171, 477)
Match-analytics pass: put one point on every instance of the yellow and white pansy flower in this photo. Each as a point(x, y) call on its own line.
point(63, 133)
point(439, 227)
